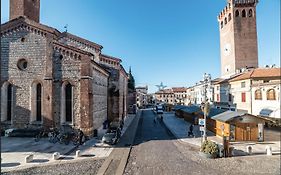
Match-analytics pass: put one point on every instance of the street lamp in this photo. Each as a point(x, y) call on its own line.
point(206, 109)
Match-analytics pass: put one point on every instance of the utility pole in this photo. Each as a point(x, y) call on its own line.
point(206, 108)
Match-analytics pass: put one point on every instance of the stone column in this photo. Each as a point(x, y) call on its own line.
point(86, 96)
point(48, 86)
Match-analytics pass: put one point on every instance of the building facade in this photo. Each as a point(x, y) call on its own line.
point(53, 79)
point(141, 96)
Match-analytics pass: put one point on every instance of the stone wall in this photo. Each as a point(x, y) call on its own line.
point(17, 45)
point(100, 85)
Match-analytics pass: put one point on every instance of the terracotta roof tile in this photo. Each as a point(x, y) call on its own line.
point(259, 73)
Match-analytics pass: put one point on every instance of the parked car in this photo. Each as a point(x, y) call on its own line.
point(112, 137)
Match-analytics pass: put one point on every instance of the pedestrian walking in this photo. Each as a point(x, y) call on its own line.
point(190, 132)
point(81, 135)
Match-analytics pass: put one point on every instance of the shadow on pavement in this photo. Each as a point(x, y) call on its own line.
point(10, 164)
point(39, 160)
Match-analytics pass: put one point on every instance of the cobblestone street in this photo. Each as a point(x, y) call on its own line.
point(156, 151)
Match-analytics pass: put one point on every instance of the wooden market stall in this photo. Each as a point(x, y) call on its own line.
point(238, 126)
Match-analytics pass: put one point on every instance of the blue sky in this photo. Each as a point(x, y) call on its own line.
point(162, 40)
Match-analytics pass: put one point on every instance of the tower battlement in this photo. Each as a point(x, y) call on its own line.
point(243, 3)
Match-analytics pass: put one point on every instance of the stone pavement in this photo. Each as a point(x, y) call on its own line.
point(15, 149)
point(179, 127)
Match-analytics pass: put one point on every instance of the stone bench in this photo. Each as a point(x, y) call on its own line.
point(29, 158)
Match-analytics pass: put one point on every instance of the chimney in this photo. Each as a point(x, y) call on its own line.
point(28, 8)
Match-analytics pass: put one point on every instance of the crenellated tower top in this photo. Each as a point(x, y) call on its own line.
point(238, 36)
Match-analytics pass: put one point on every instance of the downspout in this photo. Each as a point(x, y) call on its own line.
point(251, 102)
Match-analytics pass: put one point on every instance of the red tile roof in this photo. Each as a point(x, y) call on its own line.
point(259, 73)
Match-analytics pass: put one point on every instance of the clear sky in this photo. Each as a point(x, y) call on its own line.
point(174, 41)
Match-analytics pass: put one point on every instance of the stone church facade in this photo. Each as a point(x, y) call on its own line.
point(55, 79)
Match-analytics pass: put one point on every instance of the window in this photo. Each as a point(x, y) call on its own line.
point(218, 97)
point(9, 102)
point(229, 97)
point(250, 13)
point(270, 94)
point(258, 95)
point(244, 13)
point(6, 101)
point(221, 24)
point(38, 102)
point(243, 97)
point(22, 64)
point(237, 13)
point(229, 16)
point(243, 84)
point(225, 21)
point(68, 103)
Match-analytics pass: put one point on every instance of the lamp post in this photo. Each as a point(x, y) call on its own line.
point(206, 80)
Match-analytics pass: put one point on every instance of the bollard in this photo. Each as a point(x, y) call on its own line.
point(56, 156)
point(268, 150)
point(77, 153)
point(231, 151)
point(29, 158)
point(249, 149)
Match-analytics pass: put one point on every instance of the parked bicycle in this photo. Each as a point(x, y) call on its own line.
point(42, 133)
point(53, 135)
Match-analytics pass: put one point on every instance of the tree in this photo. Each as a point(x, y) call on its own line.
point(131, 81)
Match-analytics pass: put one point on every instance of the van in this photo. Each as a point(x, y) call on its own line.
point(159, 109)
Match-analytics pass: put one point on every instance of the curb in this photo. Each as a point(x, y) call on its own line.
point(123, 162)
point(175, 135)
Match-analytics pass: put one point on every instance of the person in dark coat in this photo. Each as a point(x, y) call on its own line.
point(190, 132)
point(81, 135)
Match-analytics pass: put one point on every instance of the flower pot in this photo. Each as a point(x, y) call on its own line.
point(207, 155)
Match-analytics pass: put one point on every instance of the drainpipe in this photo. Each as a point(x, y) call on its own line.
point(251, 102)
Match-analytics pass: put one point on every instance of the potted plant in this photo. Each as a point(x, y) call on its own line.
point(209, 149)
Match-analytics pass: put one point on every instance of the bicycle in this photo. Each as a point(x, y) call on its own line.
point(53, 135)
point(43, 133)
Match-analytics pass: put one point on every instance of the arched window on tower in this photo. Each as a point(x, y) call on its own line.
point(244, 13)
point(237, 13)
point(38, 102)
point(68, 103)
point(270, 94)
point(250, 13)
point(221, 24)
point(229, 16)
point(225, 20)
point(258, 95)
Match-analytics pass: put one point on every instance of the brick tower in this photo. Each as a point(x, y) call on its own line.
point(238, 36)
point(28, 8)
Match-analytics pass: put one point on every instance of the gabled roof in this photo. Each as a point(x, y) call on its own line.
point(23, 20)
point(214, 112)
point(111, 58)
point(82, 40)
point(179, 89)
point(259, 73)
point(229, 115)
point(191, 109)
